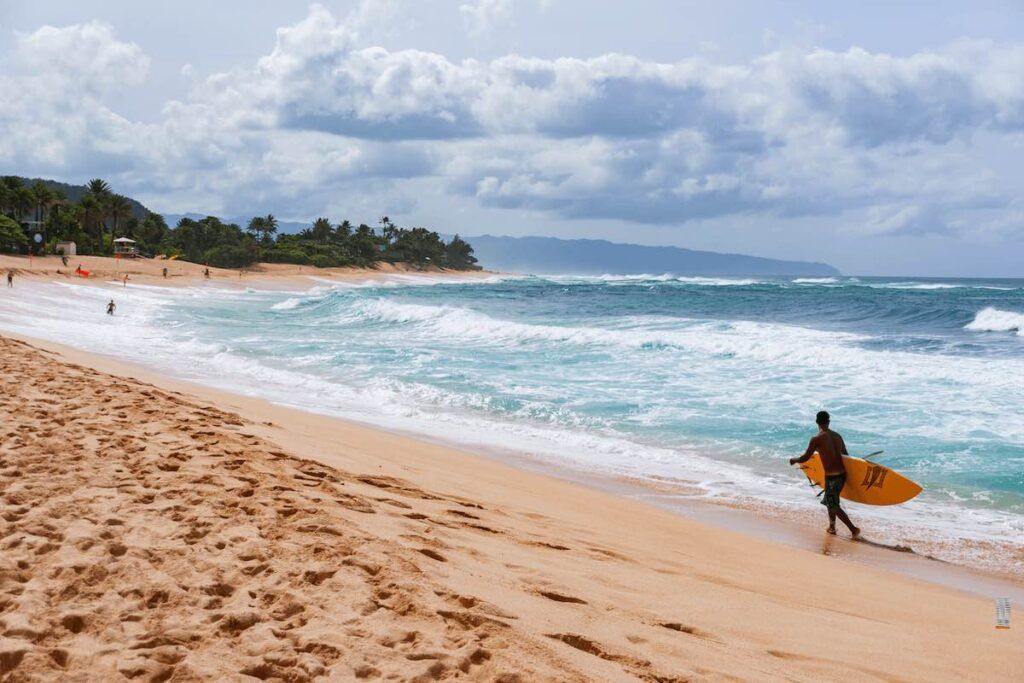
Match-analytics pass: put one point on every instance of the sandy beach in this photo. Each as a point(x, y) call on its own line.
point(142, 271)
point(157, 530)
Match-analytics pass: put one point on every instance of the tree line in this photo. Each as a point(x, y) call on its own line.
point(37, 216)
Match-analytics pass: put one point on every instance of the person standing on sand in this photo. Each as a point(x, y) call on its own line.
point(165, 273)
point(126, 279)
point(206, 273)
point(111, 307)
point(831, 448)
point(10, 278)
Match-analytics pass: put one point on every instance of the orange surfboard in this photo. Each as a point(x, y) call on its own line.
point(866, 482)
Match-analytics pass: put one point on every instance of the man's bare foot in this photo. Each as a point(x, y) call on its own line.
point(832, 530)
point(855, 532)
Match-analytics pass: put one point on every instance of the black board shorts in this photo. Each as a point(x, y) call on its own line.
point(834, 484)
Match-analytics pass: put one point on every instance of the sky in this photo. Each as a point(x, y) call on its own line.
point(881, 137)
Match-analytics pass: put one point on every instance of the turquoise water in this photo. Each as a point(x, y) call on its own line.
point(700, 381)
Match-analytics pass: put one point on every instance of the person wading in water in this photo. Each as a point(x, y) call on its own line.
point(831, 448)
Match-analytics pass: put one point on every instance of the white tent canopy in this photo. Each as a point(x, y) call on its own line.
point(124, 240)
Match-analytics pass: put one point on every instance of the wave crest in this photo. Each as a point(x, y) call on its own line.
point(994, 320)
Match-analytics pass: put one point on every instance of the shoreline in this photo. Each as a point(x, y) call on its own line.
point(794, 527)
point(797, 532)
point(614, 588)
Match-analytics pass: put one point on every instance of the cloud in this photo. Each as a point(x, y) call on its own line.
point(57, 86)
point(481, 16)
point(324, 113)
point(85, 57)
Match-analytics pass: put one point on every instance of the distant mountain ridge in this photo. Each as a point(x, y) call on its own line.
point(551, 255)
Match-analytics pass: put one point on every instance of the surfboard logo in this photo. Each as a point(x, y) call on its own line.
point(874, 476)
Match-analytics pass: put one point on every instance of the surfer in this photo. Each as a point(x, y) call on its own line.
point(831, 447)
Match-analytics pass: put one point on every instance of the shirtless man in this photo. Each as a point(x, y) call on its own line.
point(831, 447)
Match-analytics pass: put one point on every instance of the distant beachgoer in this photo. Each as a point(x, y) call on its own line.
point(831, 448)
point(165, 273)
point(206, 273)
point(111, 307)
point(64, 260)
point(126, 279)
point(10, 278)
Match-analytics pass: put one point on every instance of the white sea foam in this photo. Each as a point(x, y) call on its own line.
point(613, 279)
point(994, 320)
point(394, 280)
point(938, 286)
point(288, 304)
point(920, 285)
point(815, 281)
point(718, 281)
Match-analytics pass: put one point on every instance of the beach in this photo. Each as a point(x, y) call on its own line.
point(143, 271)
point(157, 529)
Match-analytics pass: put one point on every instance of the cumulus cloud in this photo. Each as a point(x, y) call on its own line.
point(792, 133)
point(57, 85)
point(86, 57)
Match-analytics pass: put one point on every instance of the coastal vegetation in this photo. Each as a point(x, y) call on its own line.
point(37, 215)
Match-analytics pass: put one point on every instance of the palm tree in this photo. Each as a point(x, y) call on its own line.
point(390, 231)
point(99, 190)
point(257, 226)
point(343, 230)
point(23, 202)
point(321, 231)
point(119, 207)
point(90, 215)
point(8, 185)
point(42, 197)
point(269, 226)
point(98, 187)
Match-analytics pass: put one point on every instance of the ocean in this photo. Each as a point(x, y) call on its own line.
point(704, 385)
